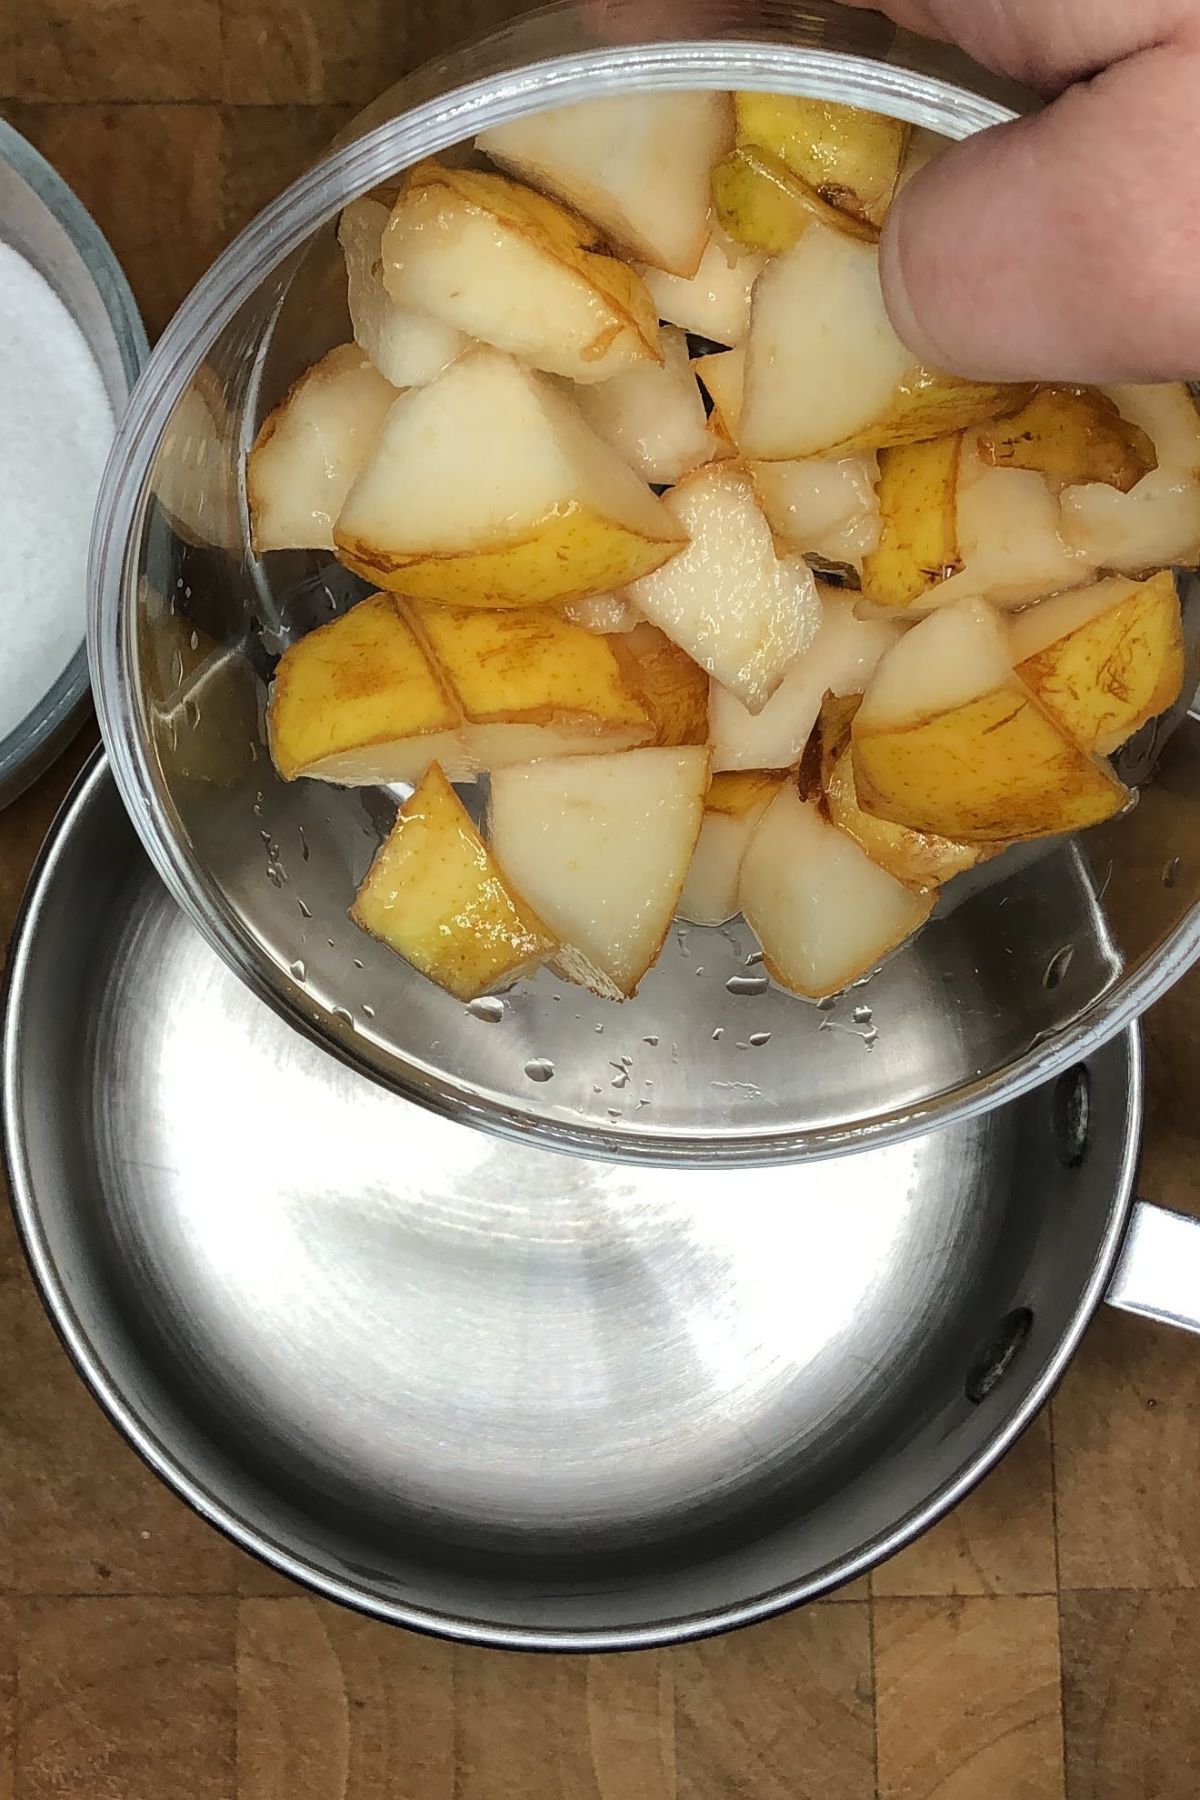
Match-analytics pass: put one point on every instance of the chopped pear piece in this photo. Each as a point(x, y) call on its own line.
point(669, 685)
point(516, 270)
point(1166, 411)
point(408, 348)
point(1155, 524)
point(1070, 435)
point(764, 207)
point(715, 301)
point(1010, 538)
point(840, 659)
point(823, 912)
point(311, 450)
point(825, 372)
point(827, 506)
point(733, 807)
point(850, 156)
point(605, 613)
point(723, 374)
point(918, 506)
point(488, 489)
point(434, 895)
point(635, 164)
point(530, 683)
point(920, 859)
point(739, 610)
point(601, 846)
point(948, 739)
point(924, 147)
point(1104, 659)
point(357, 702)
point(653, 414)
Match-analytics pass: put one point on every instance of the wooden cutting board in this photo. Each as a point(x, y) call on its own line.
point(1039, 1643)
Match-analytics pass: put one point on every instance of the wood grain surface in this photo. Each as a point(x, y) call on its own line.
point(1039, 1643)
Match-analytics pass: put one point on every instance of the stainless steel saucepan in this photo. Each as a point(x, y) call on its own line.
point(497, 1391)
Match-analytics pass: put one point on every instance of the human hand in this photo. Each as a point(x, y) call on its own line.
point(1065, 244)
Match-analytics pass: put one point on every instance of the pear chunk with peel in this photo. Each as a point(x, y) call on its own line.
point(733, 806)
point(918, 506)
point(840, 660)
point(358, 702)
point(487, 488)
point(529, 683)
point(948, 739)
point(739, 610)
point(764, 206)
point(1070, 435)
point(827, 506)
point(673, 690)
point(715, 301)
point(600, 846)
point(407, 348)
point(823, 912)
point(653, 415)
point(1157, 523)
point(1103, 659)
point(311, 450)
point(827, 375)
point(435, 895)
point(851, 157)
point(510, 267)
point(637, 165)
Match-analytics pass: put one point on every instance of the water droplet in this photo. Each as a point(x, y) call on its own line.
point(1058, 965)
point(194, 640)
point(1172, 872)
point(652, 1041)
point(862, 1015)
point(306, 913)
point(539, 1068)
point(620, 1079)
point(297, 970)
point(368, 1010)
point(343, 1016)
point(759, 1038)
point(330, 942)
point(599, 1030)
point(487, 1008)
point(754, 958)
point(264, 835)
point(273, 875)
point(746, 985)
point(827, 1004)
point(176, 669)
point(191, 712)
point(718, 1034)
point(303, 845)
point(357, 963)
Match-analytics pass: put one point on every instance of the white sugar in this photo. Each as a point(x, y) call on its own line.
point(56, 426)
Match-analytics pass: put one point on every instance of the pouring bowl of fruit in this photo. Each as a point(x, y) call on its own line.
point(569, 657)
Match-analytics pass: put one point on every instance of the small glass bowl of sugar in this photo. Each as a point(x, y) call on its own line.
point(71, 348)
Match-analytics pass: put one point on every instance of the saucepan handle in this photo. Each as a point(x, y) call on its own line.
point(1158, 1271)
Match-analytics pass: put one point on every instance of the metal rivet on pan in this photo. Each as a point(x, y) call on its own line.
point(997, 1358)
point(1071, 1115)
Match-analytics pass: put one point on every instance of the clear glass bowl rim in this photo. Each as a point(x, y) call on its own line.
point(956, 102)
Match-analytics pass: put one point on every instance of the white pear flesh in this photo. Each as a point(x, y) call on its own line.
point(1154, 525)
point(949, 659)
point(599, 846)
point(822, 911)
point(312, 449)
point(636, 164)
point(715, 301)
point(825, 505)
point(840, 660)
point(488, 488)
point(652, 414)
point(1167, 413)
point(739, 610)
point(822, 359)
point(408, 348)
point(710, 893)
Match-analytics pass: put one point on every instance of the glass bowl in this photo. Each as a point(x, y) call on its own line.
point(1024, 969)
point(42, 219)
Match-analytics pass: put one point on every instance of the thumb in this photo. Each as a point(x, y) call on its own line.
point(1064, 245)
